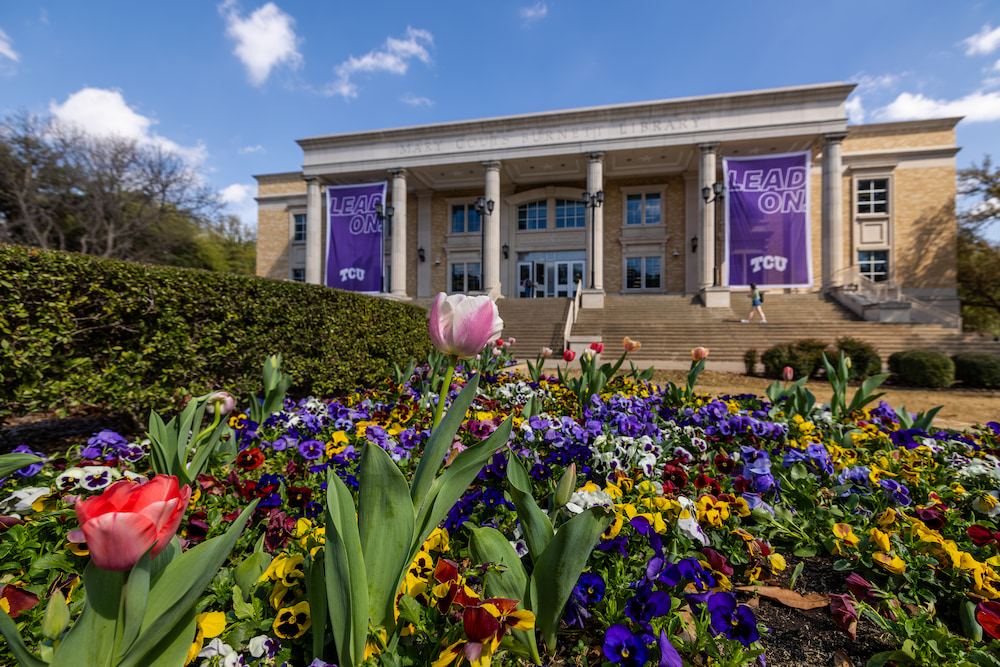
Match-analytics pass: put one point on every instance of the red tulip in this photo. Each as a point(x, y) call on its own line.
point(597, 347)
point(122, 523)
point(569, 355)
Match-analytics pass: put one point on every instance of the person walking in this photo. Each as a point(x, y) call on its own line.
point(755, 300)
point(528, 285)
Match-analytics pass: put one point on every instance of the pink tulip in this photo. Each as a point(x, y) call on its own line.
point(597, 347)
point(122, 523)
point(224, 400)
point(546, 352)
point(787, 373)
point(699, 353)
point(569, 355)
point(630, 345)
point(463, 325)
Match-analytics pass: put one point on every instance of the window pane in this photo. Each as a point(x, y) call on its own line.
point(653, 209)
point(652, 272)
point(458, 278)
point(474, 283)
point(299, 275)
point(633, 210)
point(475, 221)
point(522, 216)
point(633, 273)
point(570, 214)
point(457, 219)
point(300, 227)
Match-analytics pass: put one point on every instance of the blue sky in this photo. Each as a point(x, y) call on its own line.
point(232, 85)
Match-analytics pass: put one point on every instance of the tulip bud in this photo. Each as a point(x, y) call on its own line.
point(699, 353)
point(499, 342)
point(569, 355)
point(588, 354)
point(597, 347)
point(56, 617)
point(497, 352)
point(546, 352)
point(630, 345)
point(847, 362)
point(566, 486)
point(224, 400)
point(511, 340)
point(787, 373)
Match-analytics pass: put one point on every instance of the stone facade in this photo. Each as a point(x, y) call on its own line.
point(655, 152)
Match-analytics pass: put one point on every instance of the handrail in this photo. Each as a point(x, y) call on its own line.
point(574, 311)
point(871, 292)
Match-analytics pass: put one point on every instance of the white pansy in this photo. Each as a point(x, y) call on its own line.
point(20, 501)
point(687, 524)
point(583, 500)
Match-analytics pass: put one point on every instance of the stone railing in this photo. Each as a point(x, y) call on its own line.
point(884, 301)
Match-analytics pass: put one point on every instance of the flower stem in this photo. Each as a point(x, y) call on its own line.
point(445, 387)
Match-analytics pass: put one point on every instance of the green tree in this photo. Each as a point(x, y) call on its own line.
point(978, 256)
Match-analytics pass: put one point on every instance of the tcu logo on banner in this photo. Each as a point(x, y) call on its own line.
point(354, 249)
point(767, 220)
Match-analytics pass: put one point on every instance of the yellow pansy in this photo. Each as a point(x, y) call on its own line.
point(887, 518)
point(614, 491)
point(892, 563)
point(777, 562)
point(209, 624)
point(436, 541)
point(292, 622)
point(614, 528)
point(712, 511)
point(879, 539)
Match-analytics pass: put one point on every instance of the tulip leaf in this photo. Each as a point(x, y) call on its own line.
point(559, 569)
point(439, 442)
point(248, 572)
point(91, 638)
point(346, 579)
point(175, 591)
point(316, 594)
point(449, 487)
point(489, 545)
point(11, 462)
point(134, 597)
point(536, 526)
point(8, 628)
point(385, 524)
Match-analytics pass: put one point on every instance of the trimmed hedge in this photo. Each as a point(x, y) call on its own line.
point(923, 368)
point(865, 361)
point(77, 330)
point(977, 369)
point(804, 356)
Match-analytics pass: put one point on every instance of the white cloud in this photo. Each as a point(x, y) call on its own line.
point(984, 42)
point(246, 150)
point(264, 40)
point(975, 107)
point(866, 83)
point(7, 48)
point(855, 110)
point(535, 13)
point(415, 101)
point(238, 199)
point(101, 112)
point(393, 57)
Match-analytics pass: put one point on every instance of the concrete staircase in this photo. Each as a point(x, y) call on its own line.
point(534, 324)
point(670, 326)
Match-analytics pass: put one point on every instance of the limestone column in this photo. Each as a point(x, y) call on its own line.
point(595, 184)
point(706, 240)
point(397, 256)
point(314, 233)
point(833, 211)
point(491, 230)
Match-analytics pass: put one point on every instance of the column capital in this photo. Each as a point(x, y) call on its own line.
point(492, 165)
point(710, 147)
point(311, 180)
point(597, 156)
point(834, 137)
point(397, 172)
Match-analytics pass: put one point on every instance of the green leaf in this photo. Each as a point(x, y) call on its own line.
point(175, 591)
point(385, 524)
point(346, 580)
point(249, 571)
point(536, 526)
point(16, 645)
point(53, 561)
point(805, 552)
point(559, 568)
point(11, 462)
point(135, 595)
point(91, 638)
point(439, 442)
point(316, 594)
point(488, 545)
point(863, 396)
point(173, 649)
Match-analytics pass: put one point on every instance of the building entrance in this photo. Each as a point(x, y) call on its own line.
point(553, 274)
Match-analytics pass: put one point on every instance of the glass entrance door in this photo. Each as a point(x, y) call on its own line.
point(567, 275)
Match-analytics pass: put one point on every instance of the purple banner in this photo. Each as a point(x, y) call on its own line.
point(767, 220)
point(354, 252)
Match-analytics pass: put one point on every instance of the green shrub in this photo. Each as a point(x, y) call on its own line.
point(750, 361)
point(922, 368)
point(865, 361)
point(977, 369)
point(76, 330)
point(805, 356)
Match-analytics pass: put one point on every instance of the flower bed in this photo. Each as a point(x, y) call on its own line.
point(536, 519)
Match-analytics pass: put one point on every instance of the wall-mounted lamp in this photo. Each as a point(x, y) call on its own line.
point(694, 244)
point(676, 254)
point(420, 255)
point(506, 250)
point(482, 204)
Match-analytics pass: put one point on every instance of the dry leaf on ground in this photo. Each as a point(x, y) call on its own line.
point(788, 597)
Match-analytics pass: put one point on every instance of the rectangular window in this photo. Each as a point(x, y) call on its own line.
point(299, 275)
point(643, 209)
point(873, 195)
point(874, 264)
point(570, 214)
point(299, 233)
point(465, 219)
point(642, 273)
point(465, 278)
point(532, 215)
